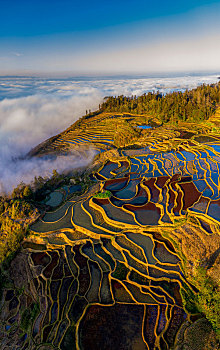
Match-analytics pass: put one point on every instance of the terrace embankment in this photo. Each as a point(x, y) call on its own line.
point(136, 269)
point(118, 265)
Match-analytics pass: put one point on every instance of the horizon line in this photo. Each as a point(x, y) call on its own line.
point(70, 74)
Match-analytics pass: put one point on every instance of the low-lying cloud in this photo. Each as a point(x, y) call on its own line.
point(27, 121)
point(15, 171)
point(34, 109)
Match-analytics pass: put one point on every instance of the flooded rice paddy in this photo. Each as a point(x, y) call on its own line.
point(105, 272)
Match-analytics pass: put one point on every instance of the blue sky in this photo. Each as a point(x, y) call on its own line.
point(110, 36)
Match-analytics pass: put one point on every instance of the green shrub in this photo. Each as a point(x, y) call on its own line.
point(12, 227)
point(29, 315)
point(208, 299)
point(104, 194)
point(189, 299)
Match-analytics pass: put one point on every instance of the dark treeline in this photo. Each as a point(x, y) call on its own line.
point(191, 105)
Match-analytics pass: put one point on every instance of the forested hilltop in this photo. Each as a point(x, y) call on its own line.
point(191, 105)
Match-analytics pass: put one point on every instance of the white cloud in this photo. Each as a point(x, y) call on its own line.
point(50, 106)
point(15, 171)
point(27, 121)
point(17, 54)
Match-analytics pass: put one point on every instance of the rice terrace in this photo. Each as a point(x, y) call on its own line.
point(122, 254)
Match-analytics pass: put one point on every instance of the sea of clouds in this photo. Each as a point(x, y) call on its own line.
point(33, 109)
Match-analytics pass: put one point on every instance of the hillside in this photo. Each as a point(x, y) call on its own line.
point(125, 251)
point(116, 122)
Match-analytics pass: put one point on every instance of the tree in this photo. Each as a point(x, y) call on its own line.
point(27, 191)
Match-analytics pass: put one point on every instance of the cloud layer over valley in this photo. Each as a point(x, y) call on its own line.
point(34, 109)
point(27, 121)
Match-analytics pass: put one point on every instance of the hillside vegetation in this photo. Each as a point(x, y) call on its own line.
point(191, 105)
